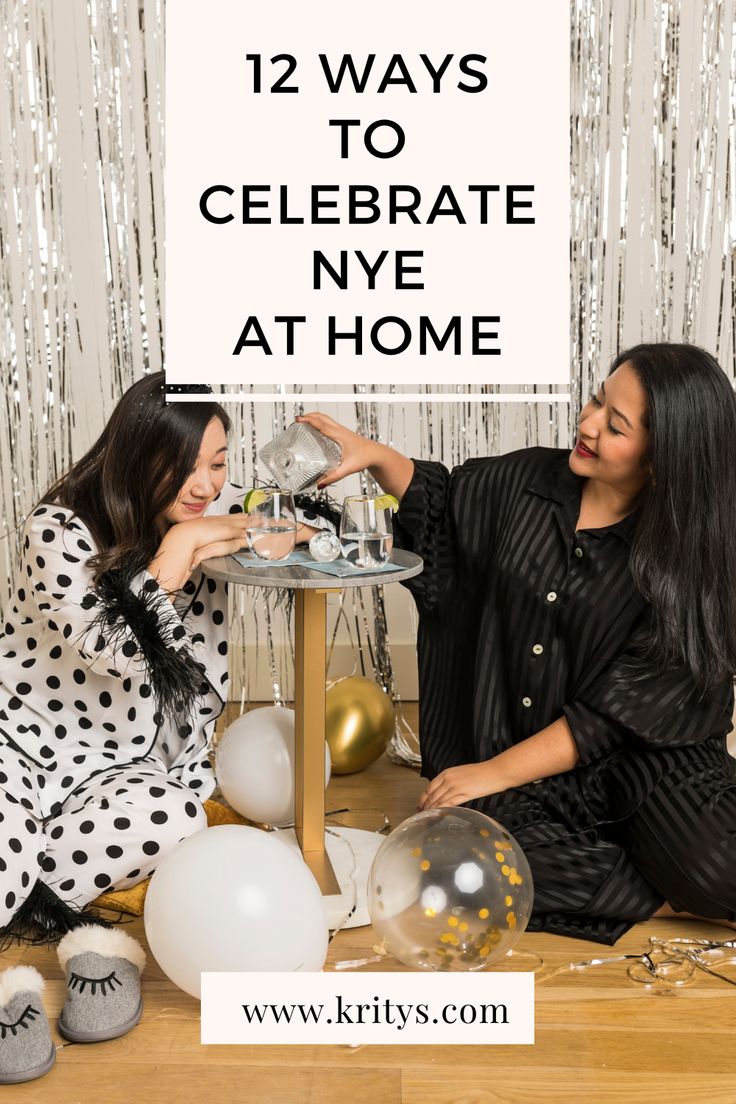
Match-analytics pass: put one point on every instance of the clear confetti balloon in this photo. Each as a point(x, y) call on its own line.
point(450, 889)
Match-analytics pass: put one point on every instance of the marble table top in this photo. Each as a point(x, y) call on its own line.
point(298, 577)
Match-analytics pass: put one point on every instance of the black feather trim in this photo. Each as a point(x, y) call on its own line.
point(319, 505)
point(175, 676)
point(44, 918)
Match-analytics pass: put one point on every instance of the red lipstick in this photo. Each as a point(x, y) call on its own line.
point(584, 451)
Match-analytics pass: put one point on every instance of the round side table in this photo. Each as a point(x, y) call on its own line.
point(310, 639)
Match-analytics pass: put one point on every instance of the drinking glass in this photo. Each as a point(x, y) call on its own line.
point(366, 532)
point(271, 530)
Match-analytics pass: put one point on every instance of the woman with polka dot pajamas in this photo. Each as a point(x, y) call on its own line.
point(114, 660)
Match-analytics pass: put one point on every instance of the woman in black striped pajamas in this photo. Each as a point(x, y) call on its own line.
point(577, 643)
point(114, 660)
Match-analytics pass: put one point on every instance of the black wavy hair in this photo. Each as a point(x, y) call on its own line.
point(683, 558)
point(135, 469)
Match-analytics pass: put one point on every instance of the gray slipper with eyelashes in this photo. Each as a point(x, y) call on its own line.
point(103, 977)
point(26, 1049)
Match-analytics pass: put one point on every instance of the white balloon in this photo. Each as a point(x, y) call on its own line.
point(233, 898)
point(254, 765)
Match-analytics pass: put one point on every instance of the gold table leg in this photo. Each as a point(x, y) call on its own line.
point(310, 641)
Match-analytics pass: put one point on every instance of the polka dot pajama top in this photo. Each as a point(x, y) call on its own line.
point(97, 779)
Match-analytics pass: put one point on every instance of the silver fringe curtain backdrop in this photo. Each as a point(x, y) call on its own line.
point(653, 157)
point(81, 230)
point(653, 166)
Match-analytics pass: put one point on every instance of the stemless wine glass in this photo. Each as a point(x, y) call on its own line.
point(366, 532)
point(271, 529)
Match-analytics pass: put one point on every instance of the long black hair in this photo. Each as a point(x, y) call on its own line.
point(683, 559)
point(135, 470)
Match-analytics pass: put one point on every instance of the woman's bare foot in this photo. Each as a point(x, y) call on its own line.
point(667, 912)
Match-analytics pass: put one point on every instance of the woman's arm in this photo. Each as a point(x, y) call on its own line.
point(630, 703)
point(186, 544)
point(550, 751)
point(230, 501)
point(172, 564)
point(391, 469)
point(104, 622)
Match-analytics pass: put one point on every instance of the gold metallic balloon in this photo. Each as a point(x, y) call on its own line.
point(359, 723)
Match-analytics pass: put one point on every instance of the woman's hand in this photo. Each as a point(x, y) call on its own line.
point(551, 751)
point(205, 531)
point(228, 545)
point(358, 452)
point(187, 543)
point(391, 469)
point(456, 785)
point(304, 533)
point(217, 548)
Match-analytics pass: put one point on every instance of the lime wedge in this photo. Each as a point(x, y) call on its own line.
point(386, 502)
point(253, 498)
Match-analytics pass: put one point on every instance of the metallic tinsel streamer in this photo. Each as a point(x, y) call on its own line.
point(653, 216)
point(81, 218)
point(653, 179)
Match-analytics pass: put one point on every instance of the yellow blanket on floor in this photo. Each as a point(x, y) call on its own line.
point(130, 901)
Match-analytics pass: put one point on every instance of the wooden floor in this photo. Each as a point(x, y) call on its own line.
point(599, 1037)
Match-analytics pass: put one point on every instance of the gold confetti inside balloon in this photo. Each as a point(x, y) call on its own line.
point(450, 889)
point(359, 723)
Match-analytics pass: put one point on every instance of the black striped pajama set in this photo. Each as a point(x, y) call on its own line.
point(523, 620)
